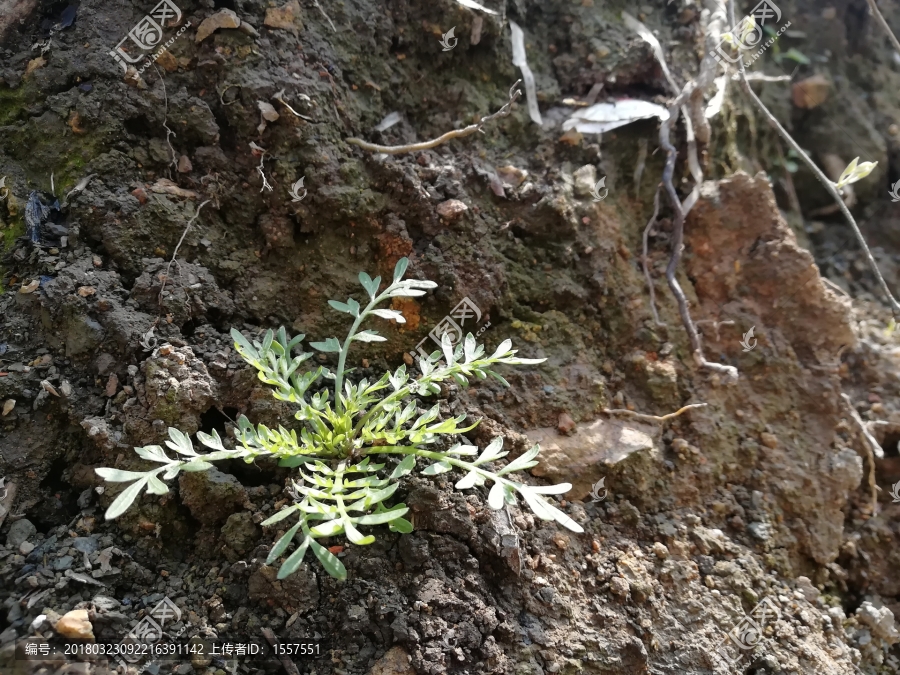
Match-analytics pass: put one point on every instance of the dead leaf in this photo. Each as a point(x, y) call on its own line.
point(86, 291)
point(224, 18)
point(30, 288)
point(8, 406)
point(284, 17)
point(603, 117)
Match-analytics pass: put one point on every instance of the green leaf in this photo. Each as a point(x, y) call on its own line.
point(550, 489)
point(401, 525)
point(119, 476)
point(243, 346)
point(267, 341)
point(293, 460)
point(180, 443)
point(196, 465)
point(498, 378)
point(355, 536)
point(467, 481)
point(522, 462)
point(294, 560)
point(126, 497)
point(404, 467)
point(328, 346)
point(369, 336)
point(329, 561)
point(350, 307)
point(400, 269)
point(447, 348)
point(370, 284)
point(210, 441)
point(328, 529)
point(155, 486)
point(797, 56)
point(153, 453)
point(438, 467)
point(282, 543)
point(381, 518)
point(281, 515)
point(495, 496)
point(493, 451)
point(389, 314)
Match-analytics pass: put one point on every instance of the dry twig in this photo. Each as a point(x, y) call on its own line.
point(514, 94)
point(644, 260)
point(654, 418)
point(178, 246)
point(873, 449)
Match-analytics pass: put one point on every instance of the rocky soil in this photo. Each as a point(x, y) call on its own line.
point(768, 502)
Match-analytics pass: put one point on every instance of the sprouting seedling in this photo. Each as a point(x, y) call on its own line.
point(342, 428)
point(855, 172)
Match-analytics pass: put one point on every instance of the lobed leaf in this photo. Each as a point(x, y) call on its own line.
point(331, 345)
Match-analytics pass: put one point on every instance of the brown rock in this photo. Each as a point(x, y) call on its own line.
point(285, 17)
point(395, 662)
point(277, 229)
point(184, 164)
point(811, 92)
point(75, 625)
point(167, 61)
point(565, 424)
point(112, 385)
point(86, 291)
point(224, 18)
point(298, 592)
point(769, 440)
point(141, 195)
point(586, 455)
point(452, 209)
point(211, 495)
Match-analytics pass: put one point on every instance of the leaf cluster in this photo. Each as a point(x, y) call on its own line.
point(338, 487)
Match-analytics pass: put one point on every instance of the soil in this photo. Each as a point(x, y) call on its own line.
point(768, 502)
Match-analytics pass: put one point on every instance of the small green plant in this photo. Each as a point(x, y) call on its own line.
point(338, 487)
